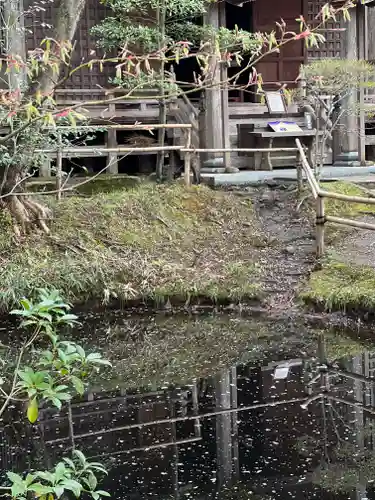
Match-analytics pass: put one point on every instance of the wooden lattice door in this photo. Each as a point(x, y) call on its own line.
point(283, 67)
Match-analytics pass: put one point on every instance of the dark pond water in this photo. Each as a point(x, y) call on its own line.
point(222, 408)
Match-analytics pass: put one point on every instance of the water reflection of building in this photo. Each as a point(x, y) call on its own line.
point(240, 429)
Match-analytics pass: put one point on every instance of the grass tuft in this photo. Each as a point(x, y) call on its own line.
point(340, 286)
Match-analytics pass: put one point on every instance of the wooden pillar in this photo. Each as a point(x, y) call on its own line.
point(361, 36)
point(348, 130)
point(224, 95)
point(213, 104)
point(224, 450)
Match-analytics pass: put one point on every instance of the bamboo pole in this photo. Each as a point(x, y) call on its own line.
point(129, 127)
point(344, 197)
point(149, 149)
point(309, 173)
point(120, 149)
point(350, 222)
point(59, 173)
point(59, 159)
point(299, 174)
point(320, 221)
point(241, 150)
point(187, 159)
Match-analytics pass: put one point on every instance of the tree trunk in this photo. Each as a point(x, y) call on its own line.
point(25, 211)
point(68, 14)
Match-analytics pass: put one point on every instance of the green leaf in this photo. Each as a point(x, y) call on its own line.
point(27, 376)
point(72, 485)
point(60, 471)
point(18, 489)
point(33, 411)
point(59, 491)
point(46, 476)
point(103, 493)
point(26, 304)
point(46, 316)
point(15, 478)
point(68, 318)
point(78, 385)
point(60, 388)
point(81, 351)
point(93, 482)
point(70, 463)
point(30, 478)
point(40, 489)
point(56, 402)
point(81, 457)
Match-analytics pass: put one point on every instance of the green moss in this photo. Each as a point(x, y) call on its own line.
point(339, 286)
point(151, 242)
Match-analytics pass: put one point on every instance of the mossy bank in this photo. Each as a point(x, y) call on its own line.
point(345, 279)
point(150, 243)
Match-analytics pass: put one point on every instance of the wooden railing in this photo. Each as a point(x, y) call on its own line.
point(319, 195)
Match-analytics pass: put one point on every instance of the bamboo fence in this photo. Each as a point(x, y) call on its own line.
point(190, 153)
point(319, 195)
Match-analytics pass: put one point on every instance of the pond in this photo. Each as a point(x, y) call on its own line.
point(215, 407)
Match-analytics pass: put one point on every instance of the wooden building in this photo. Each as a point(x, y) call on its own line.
point(225, 111)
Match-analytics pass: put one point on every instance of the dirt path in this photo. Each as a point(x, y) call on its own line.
point(289, 257)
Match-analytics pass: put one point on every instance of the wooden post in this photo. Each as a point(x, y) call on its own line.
point(320, 221)
point(59, 170)
point(112, 143)
point(187, 158)
point(45, 168)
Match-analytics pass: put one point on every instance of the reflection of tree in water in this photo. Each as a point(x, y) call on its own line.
point(344, 463)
